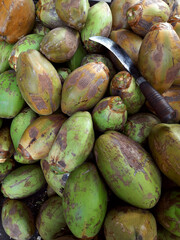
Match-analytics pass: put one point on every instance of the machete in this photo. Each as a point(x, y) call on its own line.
point(163, 110)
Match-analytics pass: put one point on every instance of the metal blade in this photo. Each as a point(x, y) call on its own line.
point(120, 53)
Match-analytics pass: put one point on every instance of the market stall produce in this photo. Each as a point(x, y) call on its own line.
point(83, 153)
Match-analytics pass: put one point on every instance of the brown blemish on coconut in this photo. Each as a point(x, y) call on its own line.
point(62, 138)
point(13, 227)
point(45, 166)
point(38, 102)
point(62, 164)
point(172, 73)
point(33, 132)
point(24, 152)
point(46, 86)
point(70, 4)
point(102, 105)
point(158, 55)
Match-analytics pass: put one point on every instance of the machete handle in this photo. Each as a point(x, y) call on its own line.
point(164, 111)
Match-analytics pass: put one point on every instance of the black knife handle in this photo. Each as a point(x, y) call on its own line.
point(164, 111)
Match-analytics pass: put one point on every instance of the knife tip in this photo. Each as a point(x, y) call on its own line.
point(91, 38)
